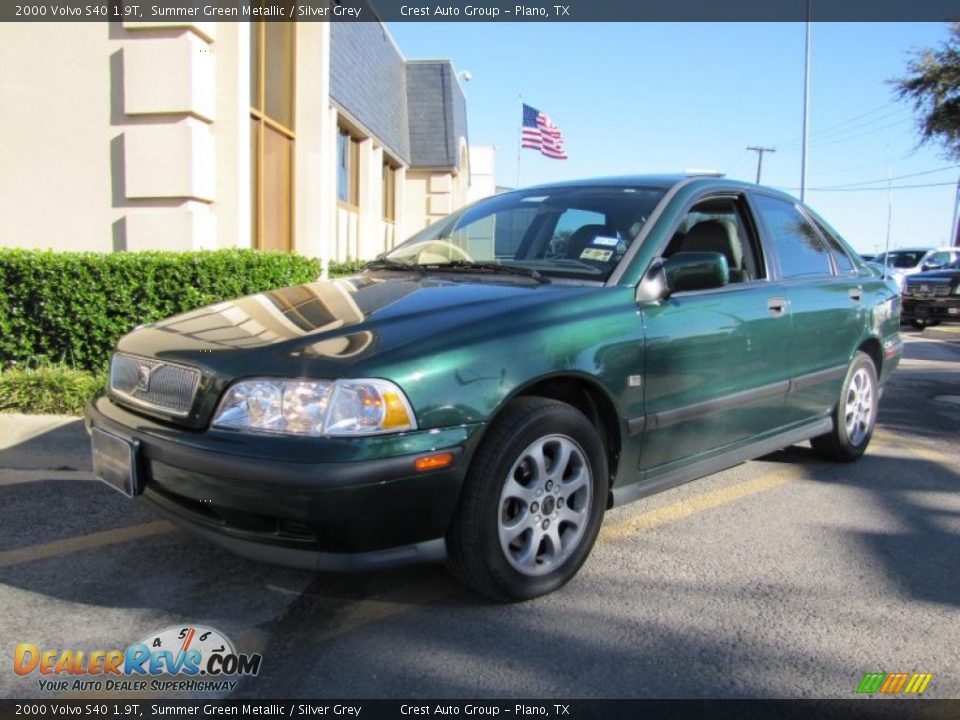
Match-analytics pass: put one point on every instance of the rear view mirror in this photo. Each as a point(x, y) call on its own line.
point(695, 271)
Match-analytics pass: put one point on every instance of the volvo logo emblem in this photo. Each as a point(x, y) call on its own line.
point(143, 377)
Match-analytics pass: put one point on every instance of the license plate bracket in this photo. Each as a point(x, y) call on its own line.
point(115, 461)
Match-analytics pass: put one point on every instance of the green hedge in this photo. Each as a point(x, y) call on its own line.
point(64, 307)
point(47, 389)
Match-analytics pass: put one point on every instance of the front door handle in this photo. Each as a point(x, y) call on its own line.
point(777, 306)
point(856, 293)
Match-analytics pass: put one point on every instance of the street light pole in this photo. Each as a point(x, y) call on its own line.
point(806, 107)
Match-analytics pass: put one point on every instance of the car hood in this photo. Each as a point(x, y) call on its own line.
point(935, 275)
point(322, 327)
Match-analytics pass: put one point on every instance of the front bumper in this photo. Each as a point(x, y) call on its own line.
point(267, 497)
point(937, 308)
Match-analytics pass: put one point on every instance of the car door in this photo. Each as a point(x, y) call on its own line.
point(716, 360)
point(826, 305)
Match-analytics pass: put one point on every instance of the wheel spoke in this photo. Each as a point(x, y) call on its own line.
point(527, 557)
point(554, 543)
point(576, 483)
point(510, 531)
point(561, 461)
point(514, 489)
point(539, 460)
point(570, 515)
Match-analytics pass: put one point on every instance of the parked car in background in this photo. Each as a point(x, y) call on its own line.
point(930, 298)
point(867, 258)
point(904, 262)
point(487, 390)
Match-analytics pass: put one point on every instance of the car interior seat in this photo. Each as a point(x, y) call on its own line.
point(721, 237)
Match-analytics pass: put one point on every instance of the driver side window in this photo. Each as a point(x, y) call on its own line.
point(719, 225)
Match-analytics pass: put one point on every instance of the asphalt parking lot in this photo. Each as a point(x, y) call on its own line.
point(782, 577)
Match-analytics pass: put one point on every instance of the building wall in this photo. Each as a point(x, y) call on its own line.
point(58, 141)
point(482, 172)
point(136, 136)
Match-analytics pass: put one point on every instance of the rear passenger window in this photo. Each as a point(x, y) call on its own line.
point(799, 248)
point(845, 265)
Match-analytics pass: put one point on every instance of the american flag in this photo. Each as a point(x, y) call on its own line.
point(539, 133)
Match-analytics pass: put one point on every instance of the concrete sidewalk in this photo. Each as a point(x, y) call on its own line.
point(44, 442)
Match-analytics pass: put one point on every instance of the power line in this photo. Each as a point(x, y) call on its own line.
point(859, 134)
point(830, 128)
point(873, 189)
point(887, 179)
point(829, 134)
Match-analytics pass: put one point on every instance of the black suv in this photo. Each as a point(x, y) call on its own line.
point(931, 297)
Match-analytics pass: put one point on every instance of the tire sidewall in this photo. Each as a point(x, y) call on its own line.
point(549, 421)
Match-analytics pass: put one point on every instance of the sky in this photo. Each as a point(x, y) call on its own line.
point(640, 98)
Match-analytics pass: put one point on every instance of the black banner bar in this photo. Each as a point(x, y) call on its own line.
point(481, 11)
point(860, 709)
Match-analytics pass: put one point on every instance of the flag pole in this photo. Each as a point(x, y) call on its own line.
point(519, 139)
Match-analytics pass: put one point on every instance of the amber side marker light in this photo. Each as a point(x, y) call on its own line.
point(433, 462)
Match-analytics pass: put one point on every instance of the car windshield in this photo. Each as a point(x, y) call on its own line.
point(901, 258)
point(569, 232)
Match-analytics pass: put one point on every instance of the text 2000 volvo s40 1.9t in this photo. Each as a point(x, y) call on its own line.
point(485, 391)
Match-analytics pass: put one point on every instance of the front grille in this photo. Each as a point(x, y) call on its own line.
point(928, 288)
point(154, 384)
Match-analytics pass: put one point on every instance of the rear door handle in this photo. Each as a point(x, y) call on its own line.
point(856, 293)
point(777, 306)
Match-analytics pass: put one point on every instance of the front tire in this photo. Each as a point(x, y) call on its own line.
point(855, 416)
point(532, 503)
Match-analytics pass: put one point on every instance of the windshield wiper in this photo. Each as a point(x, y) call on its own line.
point(389, 264)
point(470, 266)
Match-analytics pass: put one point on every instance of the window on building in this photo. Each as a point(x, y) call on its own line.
point(272, 73)
point(389, 192)
point(799, 247)
point(348, 168)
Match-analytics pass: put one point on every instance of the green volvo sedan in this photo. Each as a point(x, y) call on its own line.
point(485, 391)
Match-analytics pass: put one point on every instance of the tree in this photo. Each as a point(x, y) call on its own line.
point(933, 86)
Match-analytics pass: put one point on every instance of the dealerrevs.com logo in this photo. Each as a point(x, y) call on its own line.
point(190, 658)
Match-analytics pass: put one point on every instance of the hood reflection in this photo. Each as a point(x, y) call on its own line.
point(290, 313)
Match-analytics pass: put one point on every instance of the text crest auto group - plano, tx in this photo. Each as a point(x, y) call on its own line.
point(475, 11)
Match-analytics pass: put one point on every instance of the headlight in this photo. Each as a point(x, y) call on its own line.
point(315, 407)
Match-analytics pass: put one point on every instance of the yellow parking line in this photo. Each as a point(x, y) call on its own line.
point(646, 521)
point(68, 546)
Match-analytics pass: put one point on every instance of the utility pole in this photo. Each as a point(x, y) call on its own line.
point(760, 151)
point(954, 230)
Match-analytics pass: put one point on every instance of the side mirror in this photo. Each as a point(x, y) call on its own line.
point(695, 271)
point(931, 266)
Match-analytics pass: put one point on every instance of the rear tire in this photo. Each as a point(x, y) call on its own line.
point(855, 415)
point(532, 502)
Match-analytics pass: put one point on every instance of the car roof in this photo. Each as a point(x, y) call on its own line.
point(661, 181)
